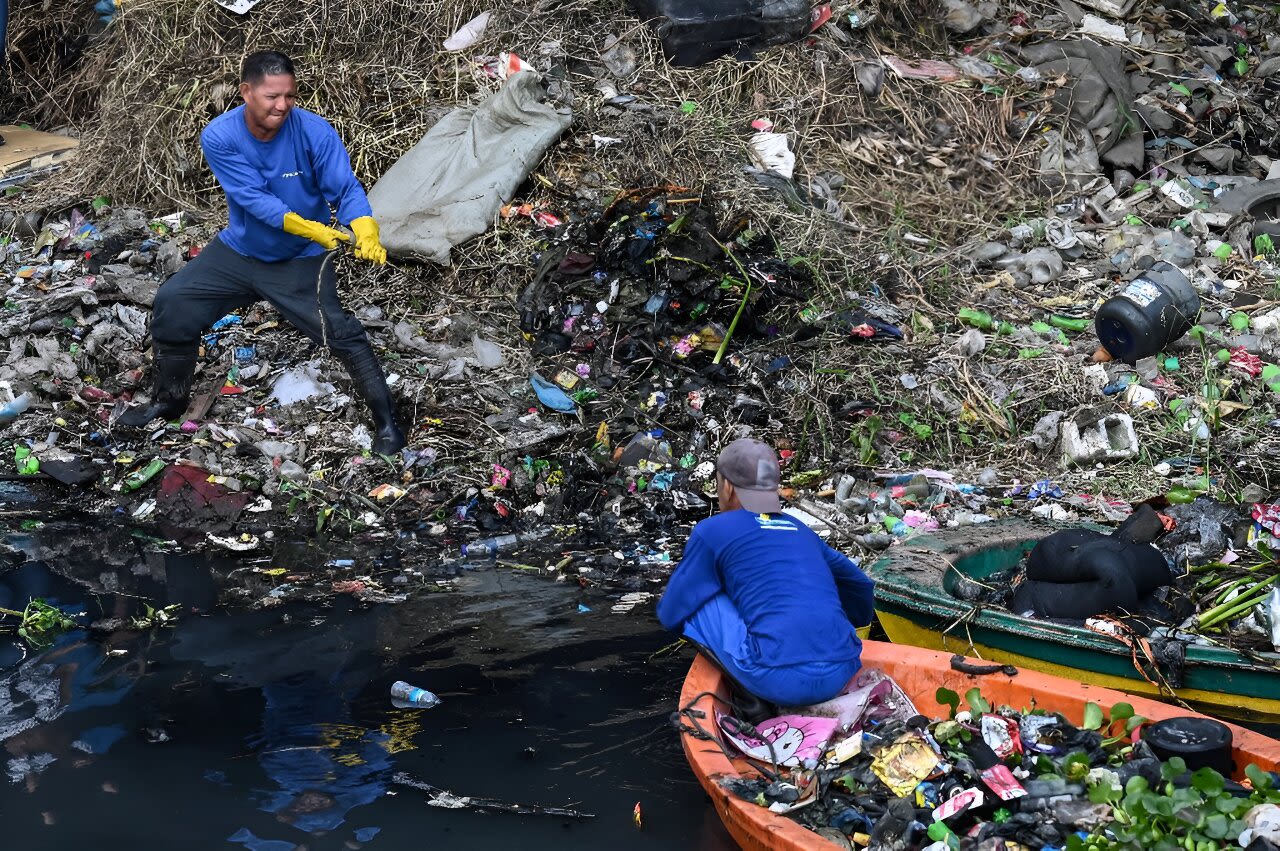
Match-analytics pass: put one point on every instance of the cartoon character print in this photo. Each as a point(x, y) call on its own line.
point(796, 739)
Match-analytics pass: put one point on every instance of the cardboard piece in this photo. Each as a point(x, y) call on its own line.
point(28, 152)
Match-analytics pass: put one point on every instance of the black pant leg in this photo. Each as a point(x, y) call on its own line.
point(305, 291)
point(212, 285)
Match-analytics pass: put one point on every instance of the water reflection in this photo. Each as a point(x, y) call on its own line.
point(272, 728)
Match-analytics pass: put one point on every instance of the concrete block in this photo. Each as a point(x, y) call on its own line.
point(1108, 438)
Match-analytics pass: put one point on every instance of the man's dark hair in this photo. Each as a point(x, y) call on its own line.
point(265, 63)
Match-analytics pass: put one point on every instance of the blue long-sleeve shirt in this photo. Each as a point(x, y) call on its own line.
point(304, 169)
point(799, 598)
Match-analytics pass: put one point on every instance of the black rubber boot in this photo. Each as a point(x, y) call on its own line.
point(371, 384)
point(174, 368)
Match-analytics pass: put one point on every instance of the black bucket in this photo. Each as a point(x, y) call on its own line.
point(1199, 741)
point(1155, 309)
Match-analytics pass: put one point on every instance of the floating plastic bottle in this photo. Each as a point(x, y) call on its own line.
point(412, 695)
point(501, 543)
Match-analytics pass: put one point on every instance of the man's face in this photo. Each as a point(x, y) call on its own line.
point(268, 101)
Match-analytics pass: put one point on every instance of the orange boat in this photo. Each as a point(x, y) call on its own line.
point(919, 673)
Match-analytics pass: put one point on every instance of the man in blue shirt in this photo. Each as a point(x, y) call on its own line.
point(284, 171)
point(763, 593)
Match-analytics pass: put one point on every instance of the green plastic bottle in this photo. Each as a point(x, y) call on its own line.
point(983, 320)
point(138, 478)
point(1067, 323)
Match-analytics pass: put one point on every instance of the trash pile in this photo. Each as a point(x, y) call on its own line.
point(1049, 285)
point(875, 773)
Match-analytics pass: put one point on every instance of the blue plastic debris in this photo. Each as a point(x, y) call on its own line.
point(662, 481)
point(1044, 487)
point(551, 395)
point(582, 610)
point(245, 837)
point(364, 834)
point(226, 322)
point(1117, 386)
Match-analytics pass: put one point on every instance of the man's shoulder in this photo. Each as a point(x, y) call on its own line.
point(225, 123)
point(224, 127)
point(310, 121)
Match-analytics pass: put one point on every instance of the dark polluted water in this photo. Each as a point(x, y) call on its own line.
point(273, 729)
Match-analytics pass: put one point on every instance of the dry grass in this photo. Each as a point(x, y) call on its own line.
point(917, 156)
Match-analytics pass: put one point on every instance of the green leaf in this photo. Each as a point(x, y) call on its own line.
point(1121, 712)
point(947, 697)
point(1092, 716)
point(1180, 89)
point(1216, 826)
point(1175, 767)
point(1208, 781)
point(976, 701)
point(1134, 723)
point(1230, 805)
point(1260, 779)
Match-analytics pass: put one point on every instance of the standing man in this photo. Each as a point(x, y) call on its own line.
point(284, 171)
point(763, 594)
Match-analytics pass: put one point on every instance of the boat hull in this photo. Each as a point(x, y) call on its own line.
point(915, 606)
point(920, 673)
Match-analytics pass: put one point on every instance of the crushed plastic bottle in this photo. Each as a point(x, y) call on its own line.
point(413, 696)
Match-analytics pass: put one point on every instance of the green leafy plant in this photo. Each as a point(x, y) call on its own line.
point(922, 430)
point(40, 623)
point(864, 435)
point(167, 616)
point(1202, 816)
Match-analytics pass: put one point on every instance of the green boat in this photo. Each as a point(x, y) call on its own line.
point(916, 605)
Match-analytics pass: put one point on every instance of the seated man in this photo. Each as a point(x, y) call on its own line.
point(763, 593)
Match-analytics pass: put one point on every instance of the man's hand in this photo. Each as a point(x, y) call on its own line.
point(368, 245)
point(322, 234)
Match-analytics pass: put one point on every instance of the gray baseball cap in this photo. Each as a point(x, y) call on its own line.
point(752, 468)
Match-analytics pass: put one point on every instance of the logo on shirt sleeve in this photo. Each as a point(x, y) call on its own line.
point(778, 524)
point(291, 174)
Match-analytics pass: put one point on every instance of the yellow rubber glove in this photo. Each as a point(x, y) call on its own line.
point(368, 245)
point(314, 231)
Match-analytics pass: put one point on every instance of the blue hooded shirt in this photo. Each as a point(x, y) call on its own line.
point(303, 169)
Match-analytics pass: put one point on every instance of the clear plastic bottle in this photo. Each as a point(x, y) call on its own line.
point(420, 697)
point(493, 546)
